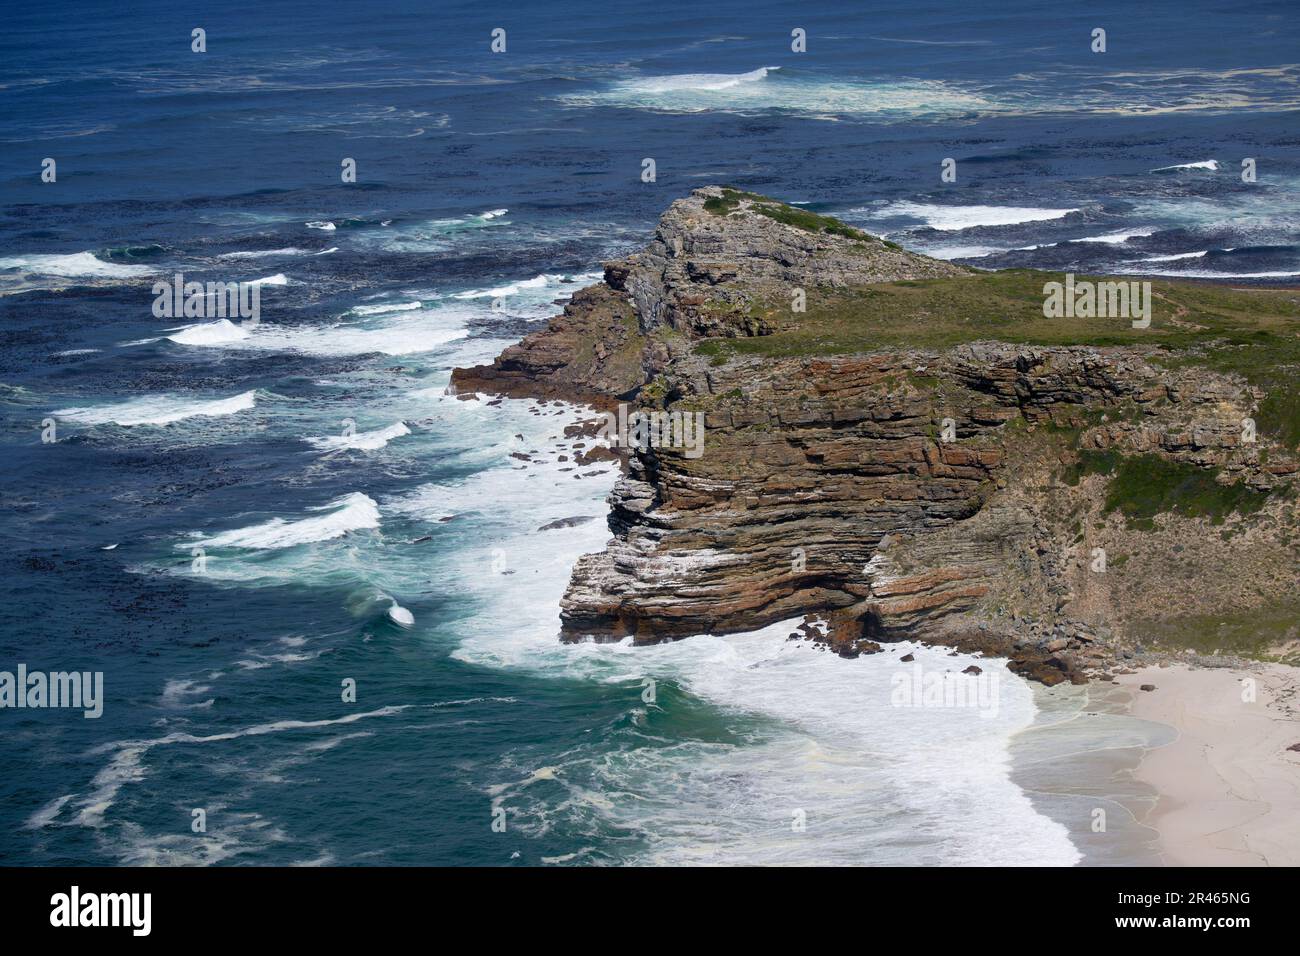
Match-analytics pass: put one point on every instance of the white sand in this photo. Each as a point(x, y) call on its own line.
point(1229, 788)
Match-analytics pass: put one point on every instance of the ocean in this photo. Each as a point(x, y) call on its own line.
point(318, 587)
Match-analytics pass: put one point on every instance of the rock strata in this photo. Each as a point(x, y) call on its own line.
point(941, 494)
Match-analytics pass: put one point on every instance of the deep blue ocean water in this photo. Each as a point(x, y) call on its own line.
point(505, 178)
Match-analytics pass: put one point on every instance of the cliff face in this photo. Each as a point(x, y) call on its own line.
point(961, 493)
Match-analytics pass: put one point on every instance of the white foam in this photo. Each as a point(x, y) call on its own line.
point(708, 82)
point(1210, 164)
point(266, 253)
point(382, 307)
point(47, 814)
point(74, 265)
point(1214, 275)
point(965, 252)
point(361, 441)
point(210, 333)
point(868, 794)
point(514, 288)
point(433, 235)
point(126, 764)
point(767, 88)
point(866, 791)
point(178, 694)
point(1116, 238)
point(352, 512)
point(956, 218)
point(407, 332)
point(1178, 256)
point(157, 410)
point(322, 224)
point(398, 339)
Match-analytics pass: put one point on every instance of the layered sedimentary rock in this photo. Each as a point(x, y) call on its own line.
point(900, 493)
point(591, 352)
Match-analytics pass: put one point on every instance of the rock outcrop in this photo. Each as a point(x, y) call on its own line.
point(956, 494)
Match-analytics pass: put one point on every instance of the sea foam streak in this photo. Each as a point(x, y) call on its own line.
point(382, 307)
point(266, 253)
point(278, 279)
point(209, 333)
point(1116, 238)
point(698, 81)
point(767, 89)
point(404, 332)
point(157, 410)
point(965, 252)
point(362, 441)
point(1210, 164)
point(1177, 256)
point(536, 284)
point(352, 512)
point(1204, 274)
point(74, 265)
point(956, 218)
point(398, 339)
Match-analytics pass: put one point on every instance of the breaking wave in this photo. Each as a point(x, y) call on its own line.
point(353, 512)
point(157, 410)
point(956, 218)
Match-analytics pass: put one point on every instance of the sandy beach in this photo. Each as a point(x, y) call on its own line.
point(1228, 787)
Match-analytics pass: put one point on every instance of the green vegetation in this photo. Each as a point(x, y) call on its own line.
point(1092, 463)
point(1265, 633)
point(810, 221)
point(1262, 348)
point(1143, 486)
point(1259, 327)
point(789, 215)
point(1254, 333)
point(730, 199)
point(1279, 412)
point(655, 390)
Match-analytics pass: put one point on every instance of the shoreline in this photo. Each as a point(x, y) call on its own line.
point(1188, 774)
point(1228, 789)
point(1076, 763)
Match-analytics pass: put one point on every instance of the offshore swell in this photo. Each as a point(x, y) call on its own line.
point(223, 690)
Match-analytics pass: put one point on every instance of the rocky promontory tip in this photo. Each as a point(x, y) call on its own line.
point(906, 449)
point(720, 262)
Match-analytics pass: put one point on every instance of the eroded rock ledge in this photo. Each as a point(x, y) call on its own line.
point(954, 494)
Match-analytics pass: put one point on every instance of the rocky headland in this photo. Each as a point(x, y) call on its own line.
point(897, 447)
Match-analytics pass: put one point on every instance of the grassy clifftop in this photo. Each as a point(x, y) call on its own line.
point(1008, 306)
point(1254, 333)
